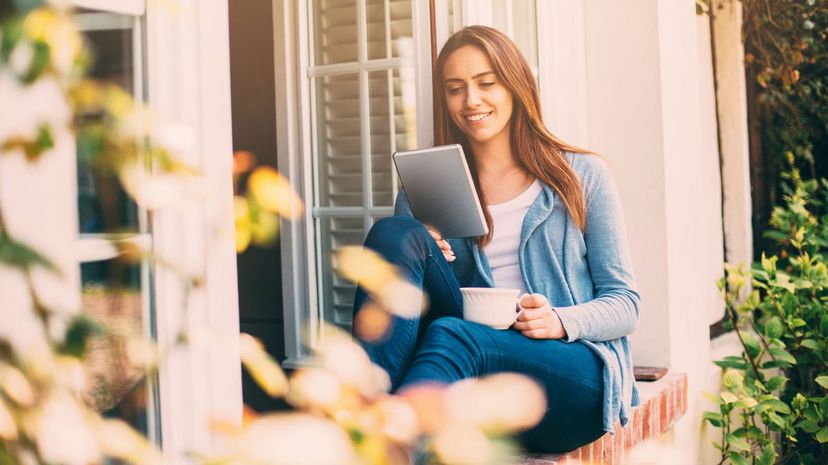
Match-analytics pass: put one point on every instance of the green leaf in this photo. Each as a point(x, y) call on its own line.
point(752, 346)
point(714, 418)
point(822, 381)
point(777, 420)
point(769, 263)
point(776, 383)
point(40, 61)
point(20, 255)
point(776, 405)
point(737, 459)
point(811, 344)
point(81, 328)
point(774, 328)
point(809, 426)
point(738, 443)
point(728, 397)
point(732, 361)
point(822, 435)
point(782, 355)
point(798, 322)
point(768, 456)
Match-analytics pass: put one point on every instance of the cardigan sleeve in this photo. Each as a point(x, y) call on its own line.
point(613, 311)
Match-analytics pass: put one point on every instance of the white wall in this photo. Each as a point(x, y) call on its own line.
point(649, 91)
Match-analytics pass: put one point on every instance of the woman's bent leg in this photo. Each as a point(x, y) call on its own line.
point(571, 374)
point(406, 243)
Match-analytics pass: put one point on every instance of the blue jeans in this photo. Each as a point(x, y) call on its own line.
point(442, 347)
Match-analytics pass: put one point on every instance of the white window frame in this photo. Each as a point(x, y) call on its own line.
point(188, 81)
point(93, 247)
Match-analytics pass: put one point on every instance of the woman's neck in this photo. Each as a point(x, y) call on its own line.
point(494, 157)
point(500, 176)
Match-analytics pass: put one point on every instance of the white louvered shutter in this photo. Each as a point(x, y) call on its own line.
point(363, 98)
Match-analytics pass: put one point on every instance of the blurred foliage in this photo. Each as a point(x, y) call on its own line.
point(774, 405)
point(343, 412)
point(786, 44)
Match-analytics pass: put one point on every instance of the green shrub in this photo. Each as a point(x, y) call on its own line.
point(773, 408)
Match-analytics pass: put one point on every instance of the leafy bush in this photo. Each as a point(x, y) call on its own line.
point(774, 405)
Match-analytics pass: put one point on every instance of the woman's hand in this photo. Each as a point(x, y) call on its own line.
point(443, 244)
point(538, 320)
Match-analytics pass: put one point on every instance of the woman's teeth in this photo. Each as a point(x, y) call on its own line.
point(478, 117)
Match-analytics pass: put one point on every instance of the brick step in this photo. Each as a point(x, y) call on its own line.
point(663, 402)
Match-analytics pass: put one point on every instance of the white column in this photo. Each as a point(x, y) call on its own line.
point(189, 83)
point(562, 69)
point(731, 95)
point(644, 117)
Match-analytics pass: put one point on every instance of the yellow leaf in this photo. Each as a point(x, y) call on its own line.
point(273, 192)
point(264, 370)
point(16, 386)
point(729, 397)
point(39, 22)
point(8, 429)
point(119, 440)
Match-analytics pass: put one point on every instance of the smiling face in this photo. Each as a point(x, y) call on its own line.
point(477, 101)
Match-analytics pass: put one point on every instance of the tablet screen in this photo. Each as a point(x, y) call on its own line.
point(440, 189)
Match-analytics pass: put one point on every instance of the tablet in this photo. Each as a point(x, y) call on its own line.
point(441, 191)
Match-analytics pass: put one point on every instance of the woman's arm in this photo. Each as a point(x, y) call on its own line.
point(613, 312)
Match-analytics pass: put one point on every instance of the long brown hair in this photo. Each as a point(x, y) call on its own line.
point(535, 149)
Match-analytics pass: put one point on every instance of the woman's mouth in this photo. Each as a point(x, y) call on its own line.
point(475, 117)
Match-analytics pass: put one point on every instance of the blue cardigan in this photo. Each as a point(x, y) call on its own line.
point(587, 276)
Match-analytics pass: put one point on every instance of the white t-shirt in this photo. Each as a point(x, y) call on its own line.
point(502, 251)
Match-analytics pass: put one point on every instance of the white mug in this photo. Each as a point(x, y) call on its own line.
point(492, 306)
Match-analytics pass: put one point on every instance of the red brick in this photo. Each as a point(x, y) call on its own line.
point(662, 410)
point(663, 405)
point(618, 448)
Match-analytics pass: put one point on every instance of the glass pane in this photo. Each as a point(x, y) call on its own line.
point(339, 147)
point(103, 207)
point(335, 31)
point(393, 127)
point(113, 293)
point(389, 28)
point(338, 294)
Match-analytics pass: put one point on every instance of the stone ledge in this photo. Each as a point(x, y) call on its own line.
point(663, 402)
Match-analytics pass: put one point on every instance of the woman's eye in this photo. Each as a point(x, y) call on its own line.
point(487, 84)
point(454, 90)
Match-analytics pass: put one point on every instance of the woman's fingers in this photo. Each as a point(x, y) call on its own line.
point(443, 244)
point(529, 314)
point(533, 301)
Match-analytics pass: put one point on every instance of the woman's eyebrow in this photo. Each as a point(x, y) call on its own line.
point(484, 73)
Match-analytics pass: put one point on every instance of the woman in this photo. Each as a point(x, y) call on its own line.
point(556, 232)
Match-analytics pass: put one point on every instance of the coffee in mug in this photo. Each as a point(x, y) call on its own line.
point(492, 306)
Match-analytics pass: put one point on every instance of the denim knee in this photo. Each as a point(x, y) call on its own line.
point(455, 337)
point(448, 353)
point(395, 234)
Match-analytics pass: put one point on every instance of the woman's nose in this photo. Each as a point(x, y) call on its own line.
point(472, 98)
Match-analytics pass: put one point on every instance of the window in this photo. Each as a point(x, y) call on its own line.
point(363, 91)
point(361, 77)
point(114, 291)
